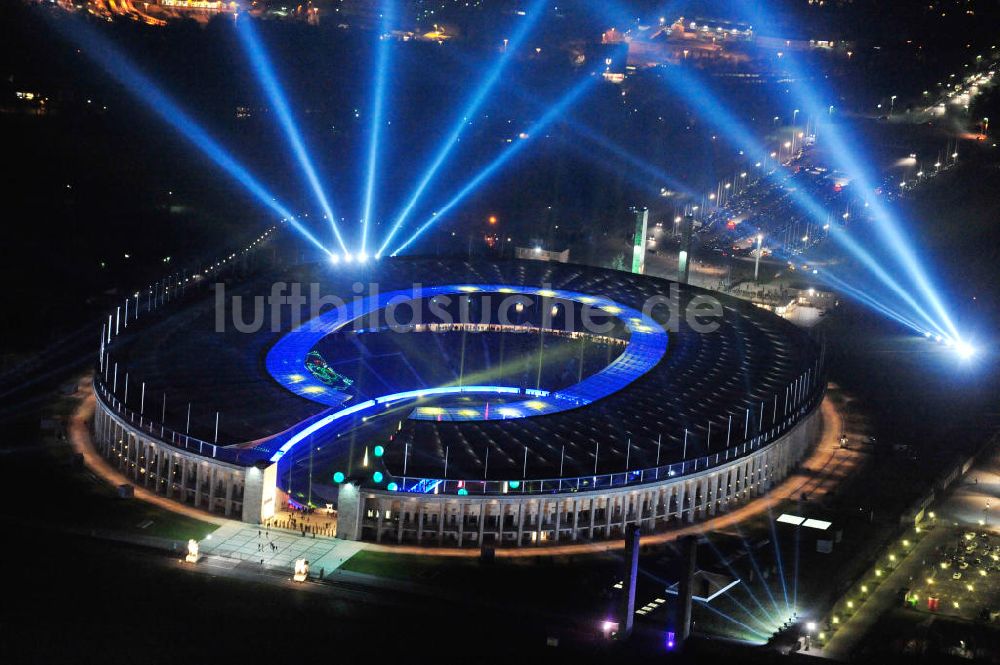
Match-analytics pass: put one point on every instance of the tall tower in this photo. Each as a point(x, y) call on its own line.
point(626, 609)
point(689, 563)
point(684, 255)
point(639, 242)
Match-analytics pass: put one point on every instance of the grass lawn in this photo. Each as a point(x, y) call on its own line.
point(39, 482)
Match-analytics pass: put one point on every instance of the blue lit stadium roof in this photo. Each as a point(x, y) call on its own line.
point(638, 409)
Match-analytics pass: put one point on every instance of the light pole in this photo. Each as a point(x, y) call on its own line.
point(795, 114)
point(892, 104)
point(756, 263)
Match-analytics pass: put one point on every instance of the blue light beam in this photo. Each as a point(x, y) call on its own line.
point(866, 299)
point(761, 636)
point(827, 276)
point(477, 99)
point(737, 133)
point(732, 571)
point(585, 131)
point(272, 88)
point(381, 73)
point(122, 70)
point(777, 558)
point(753, 561)
point(887, 225)
point(550, 116)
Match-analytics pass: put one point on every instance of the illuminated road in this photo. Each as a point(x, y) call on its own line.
point(974, 500)
point(78, 430)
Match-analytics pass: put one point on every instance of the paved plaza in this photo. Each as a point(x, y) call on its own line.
point(278, 548)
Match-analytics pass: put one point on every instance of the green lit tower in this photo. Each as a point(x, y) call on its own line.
point(639, 245)
point(684, 255)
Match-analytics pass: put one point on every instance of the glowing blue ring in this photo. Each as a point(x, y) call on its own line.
point(285, 361)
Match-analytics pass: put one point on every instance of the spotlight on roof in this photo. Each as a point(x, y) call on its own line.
point(334, 258)
point(347, 257)
point(965, 350)
point(362, 257)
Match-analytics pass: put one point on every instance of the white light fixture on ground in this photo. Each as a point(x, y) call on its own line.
point(301, 573)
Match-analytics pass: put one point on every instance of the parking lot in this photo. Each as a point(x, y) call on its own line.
point(961, 579)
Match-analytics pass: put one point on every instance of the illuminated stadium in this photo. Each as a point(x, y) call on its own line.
point(451, 402)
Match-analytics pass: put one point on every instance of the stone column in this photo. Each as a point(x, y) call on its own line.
point(442, 507)
point(521, 507)
point(420, 522)
point(199, 473)
point(213, 481)
point(541, 521)
point(576, 519)
point(229, 495)
point(151, 454)
point(183, 478)
point(559, 509)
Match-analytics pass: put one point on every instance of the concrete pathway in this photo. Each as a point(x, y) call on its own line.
point(78, 432)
